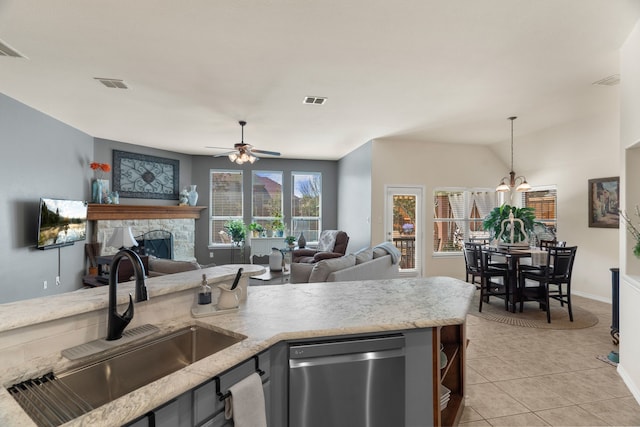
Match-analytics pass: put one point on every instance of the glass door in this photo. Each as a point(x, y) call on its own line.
point(403, 226)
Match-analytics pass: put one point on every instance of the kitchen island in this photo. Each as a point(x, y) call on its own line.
point(270, 315)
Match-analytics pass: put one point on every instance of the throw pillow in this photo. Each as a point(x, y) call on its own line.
point(327, 241)
point(364, 255)
point(378, 252)
point(322, 269)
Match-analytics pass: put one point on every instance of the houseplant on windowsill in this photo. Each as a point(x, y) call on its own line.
point(277, 225)
point(633, 230)
point(237, 230)
point(256, 229)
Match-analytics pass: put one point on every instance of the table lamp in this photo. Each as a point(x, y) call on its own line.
point(122, 238)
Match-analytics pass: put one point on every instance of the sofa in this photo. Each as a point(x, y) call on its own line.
point(331, 244)
point(162, 266)
point(366, 264)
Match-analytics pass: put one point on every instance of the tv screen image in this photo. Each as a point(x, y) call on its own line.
point(61, 222)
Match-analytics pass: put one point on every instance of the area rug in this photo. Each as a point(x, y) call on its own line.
point(532, 316)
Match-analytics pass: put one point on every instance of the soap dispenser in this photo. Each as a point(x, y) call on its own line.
point(204, 293)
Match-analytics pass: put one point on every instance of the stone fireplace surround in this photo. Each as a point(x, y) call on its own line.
point(183, 231)
point(179, 220)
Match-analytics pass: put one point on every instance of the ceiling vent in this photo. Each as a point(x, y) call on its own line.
point(316, 100)
point(612, 80)
point(6, 50)
point(112, 83)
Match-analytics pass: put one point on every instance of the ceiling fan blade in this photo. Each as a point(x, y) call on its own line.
point(225, 154)
point(218, 148)
point(269, 153)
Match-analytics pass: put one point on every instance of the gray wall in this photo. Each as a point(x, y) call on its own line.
point(41, 157)
point(103, 153)
point(202, 166)
point(354, 213)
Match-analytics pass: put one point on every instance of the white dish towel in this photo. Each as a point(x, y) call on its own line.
point(246, 403)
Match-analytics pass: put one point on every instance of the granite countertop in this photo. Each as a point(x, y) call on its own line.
point(37, 310)
point(274, 313)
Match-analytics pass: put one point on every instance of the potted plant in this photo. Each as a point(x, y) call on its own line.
point(291, 241)
point(237, 230)
point(256, 229)
point(493, 223)
point(277, 225)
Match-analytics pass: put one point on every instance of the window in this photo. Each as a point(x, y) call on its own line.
point(458, 215)
point(306, 204)
point(226, 203)
point(544, 201)
point(266, 197)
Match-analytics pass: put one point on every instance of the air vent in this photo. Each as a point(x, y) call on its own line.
point(609, 81)
point(316, 100)
point(112, 83)
point(6, 50)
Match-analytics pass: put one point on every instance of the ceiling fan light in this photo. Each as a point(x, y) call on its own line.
point(233, 157)
point(252, 159)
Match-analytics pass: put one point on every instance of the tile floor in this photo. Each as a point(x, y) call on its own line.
point(539, 377)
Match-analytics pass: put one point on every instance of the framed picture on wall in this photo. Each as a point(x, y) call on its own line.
point(145, 177)
point(603, 202)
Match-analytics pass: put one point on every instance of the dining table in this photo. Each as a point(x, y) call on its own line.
point(514, 254)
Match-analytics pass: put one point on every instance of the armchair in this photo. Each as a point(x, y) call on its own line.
point(331, 244)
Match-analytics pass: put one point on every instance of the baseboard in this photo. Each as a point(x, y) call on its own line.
point(633, 388)
point(591, 296)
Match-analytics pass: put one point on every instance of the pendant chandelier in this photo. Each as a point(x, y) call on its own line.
point(520, 183)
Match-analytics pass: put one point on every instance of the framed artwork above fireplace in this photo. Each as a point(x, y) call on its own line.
point(142, 176)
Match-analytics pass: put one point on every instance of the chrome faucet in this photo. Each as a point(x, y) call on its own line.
point(117, 322)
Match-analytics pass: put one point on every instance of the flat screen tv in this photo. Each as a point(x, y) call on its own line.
point(61, 222)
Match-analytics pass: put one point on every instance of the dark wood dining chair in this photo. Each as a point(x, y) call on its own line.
point(550, 279)
point(472, 263)
point(488, 272)
point(545, 244)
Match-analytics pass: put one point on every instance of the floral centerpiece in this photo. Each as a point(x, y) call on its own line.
point(633, 230)
point(100, 185)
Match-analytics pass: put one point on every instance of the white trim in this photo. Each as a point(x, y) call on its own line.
point(591, 296)
point(420, 244)
point(628, 381)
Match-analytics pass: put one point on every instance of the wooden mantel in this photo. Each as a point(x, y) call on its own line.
point(115, 212)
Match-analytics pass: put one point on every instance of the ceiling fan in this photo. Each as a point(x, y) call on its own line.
point(243, 152)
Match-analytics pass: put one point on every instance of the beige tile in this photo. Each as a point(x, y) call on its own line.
point(495, 369)
point(490, 402)
point(521, 420)
point(576, 386)
point(614, 412)
point(570, 416)
point(469, 414)
point(480, 423)
point(474, 377)
point(533, 393)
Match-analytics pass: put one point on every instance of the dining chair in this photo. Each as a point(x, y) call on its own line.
point(550, 279)
point(488, 272)
point(545, 244)
point(472, 263)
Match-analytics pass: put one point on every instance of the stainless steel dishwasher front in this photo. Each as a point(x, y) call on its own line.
point(348, 383)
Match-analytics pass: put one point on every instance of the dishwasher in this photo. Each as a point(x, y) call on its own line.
point(347, 383)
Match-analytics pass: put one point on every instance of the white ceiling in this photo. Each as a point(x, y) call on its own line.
point(448, 71)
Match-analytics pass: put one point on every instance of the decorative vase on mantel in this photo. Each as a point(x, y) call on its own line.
point(193, 195)
point(99, 190)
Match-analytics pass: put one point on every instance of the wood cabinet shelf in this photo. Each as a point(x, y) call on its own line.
point(452, 375)
point(120, 212)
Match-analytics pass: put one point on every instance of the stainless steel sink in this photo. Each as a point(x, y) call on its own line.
point(105, 380)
